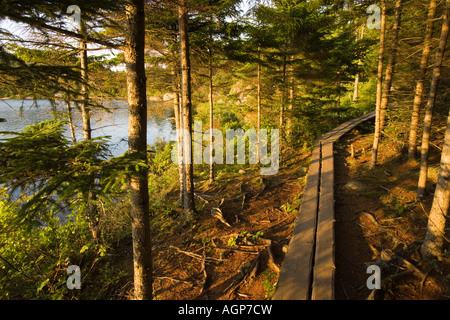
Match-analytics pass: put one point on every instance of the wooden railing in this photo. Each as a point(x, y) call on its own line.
point(308, 268)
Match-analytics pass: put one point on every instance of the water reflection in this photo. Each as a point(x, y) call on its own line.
point(21, 113)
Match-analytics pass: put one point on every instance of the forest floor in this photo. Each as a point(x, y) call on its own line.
point(234, 247)
point(380, 221)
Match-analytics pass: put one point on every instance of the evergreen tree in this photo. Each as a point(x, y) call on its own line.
point(431, 101)
point(418, 93)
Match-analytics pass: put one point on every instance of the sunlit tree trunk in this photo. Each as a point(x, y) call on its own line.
point(356, 85)
point(258, 105)
point(211, 125)
point(178, 125)
point(71, 124)
point(186, 105)
point(93, 213)
point(291, 100)
point(430, 104)
point(390, 64)
point(434, 238)
point(376, 139)
point(85, 114)
point(418, 93)
point(283, 95)
point(137, 145)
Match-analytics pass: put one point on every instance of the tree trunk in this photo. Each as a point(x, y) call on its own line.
point(211, 126)
point(412, 141)
point(376, 139)
point(84, 91)
point(186, 105)
point(71, 124)
point(93, 213)
point(434, 237)
point(258, 103)
point(283, 95)
point(137, 144)
point(430, 104)
point(291, 100)
point(356, 85)
point(391, 63)
point(178, 125)
point(338, 102)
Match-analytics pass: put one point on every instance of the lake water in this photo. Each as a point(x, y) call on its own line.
point(21, 113)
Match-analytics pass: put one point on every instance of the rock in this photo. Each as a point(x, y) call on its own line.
point(241, 171)
point(354, 185)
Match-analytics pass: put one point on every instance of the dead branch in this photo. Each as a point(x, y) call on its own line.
point(201, 197)
point(243, 276)
point(236, 250)
point(217, 213)
point(194, 255)
point(238, 196)
point(382, 228)
point(422, 283)
point(411, 267)
point(174, 280)
point(243, 201)
point(205, 274)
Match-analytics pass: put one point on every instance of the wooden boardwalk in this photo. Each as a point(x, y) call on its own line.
point(308, 268)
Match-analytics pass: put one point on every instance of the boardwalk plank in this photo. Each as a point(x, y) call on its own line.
point(323, 284)
point(295, 276)
point(308, 268)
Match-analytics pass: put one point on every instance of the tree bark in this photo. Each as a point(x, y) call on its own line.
point(418, 93)
point(283, 94)
point(338, 102)
point(186, 105)
point(211, 125)
point(391, 63)
point(291, 100)
point(178, 125)
point(137, 144)
point(434, 238)
point(258, 105)
point(93, 213)
point(376, 139)
point(430, 104)
point(71, 124)
point(356, 85)
point(87, 132)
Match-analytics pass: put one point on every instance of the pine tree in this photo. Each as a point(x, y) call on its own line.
point(432, 245)
point(418, 93)
point(186, 107)
point(137, 142)
point(430, 103)
point(376, 139)
point(390, 64)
